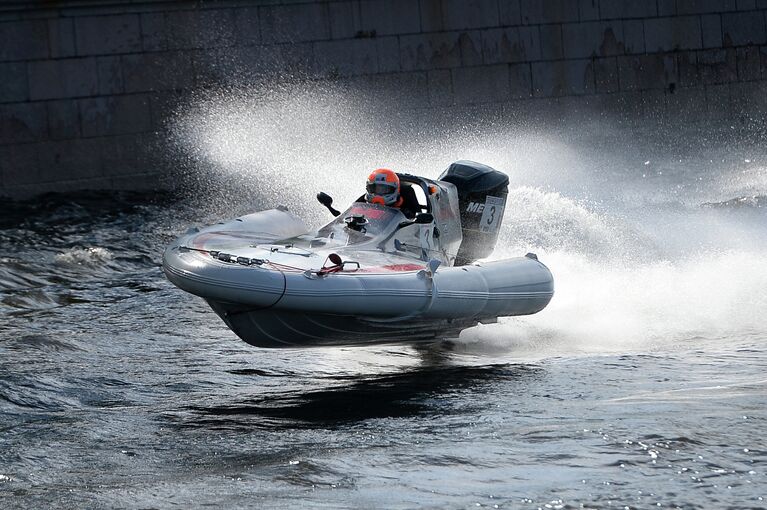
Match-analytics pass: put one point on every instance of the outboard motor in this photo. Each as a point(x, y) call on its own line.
point(482, 195)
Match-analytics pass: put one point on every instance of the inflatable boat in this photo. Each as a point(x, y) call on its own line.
point(370, 276)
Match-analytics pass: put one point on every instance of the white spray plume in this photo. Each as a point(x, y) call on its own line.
point(638, 264)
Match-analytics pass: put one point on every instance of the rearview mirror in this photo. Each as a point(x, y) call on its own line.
point(324, 199)
point(327, 201)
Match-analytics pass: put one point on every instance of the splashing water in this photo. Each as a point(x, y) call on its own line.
point(639, 262)
point(84, 257)
point(641, 385)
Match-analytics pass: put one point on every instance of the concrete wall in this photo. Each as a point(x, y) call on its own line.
point(86, 87)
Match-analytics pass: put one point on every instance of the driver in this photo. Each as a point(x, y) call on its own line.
point(383, 188)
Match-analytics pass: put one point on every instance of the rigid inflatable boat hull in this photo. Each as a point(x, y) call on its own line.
point(283, 329)
point(384, 279)
point(273, 308)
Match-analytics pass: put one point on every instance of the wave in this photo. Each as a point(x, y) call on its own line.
point(637, 261)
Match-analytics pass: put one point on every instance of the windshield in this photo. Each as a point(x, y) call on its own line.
point(360, 223)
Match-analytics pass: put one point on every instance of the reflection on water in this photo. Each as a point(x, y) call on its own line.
point(397, 395)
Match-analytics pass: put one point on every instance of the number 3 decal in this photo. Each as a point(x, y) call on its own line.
point(491, 219)
point(492, 215)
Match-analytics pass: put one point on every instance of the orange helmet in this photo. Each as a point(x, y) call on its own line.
point(383, 188)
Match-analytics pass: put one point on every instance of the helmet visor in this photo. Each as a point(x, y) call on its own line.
point(381, 188)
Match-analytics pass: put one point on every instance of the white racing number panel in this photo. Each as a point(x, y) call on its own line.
point(491, 214)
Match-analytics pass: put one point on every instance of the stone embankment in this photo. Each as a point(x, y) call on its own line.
point(86, 87)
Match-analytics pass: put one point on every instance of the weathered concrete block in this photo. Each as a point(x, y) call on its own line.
point(606, 75)
point(22, 122)
point(276, 60)
point(471, 48)
point(667, 8)
point(515, 44)
point(115, 115)
point(110, 75)
point(741, 28)
point(440, 87)
point(66, 186)
point(217, 28)
point(626, 105)
point(240, 65)
point(388, 54)
point(345, 19)
point(164, 106)
point(388, 17)
point(684, 104)
point(61, 34)
point(407, 89)
point(138, 179)
point(509, 12)
point(579, 110)
point(591, 39)
point(466, 14)
point(704, 6)
point(746, 5)
point(154, 32)
point(687, 64)
point(749, 101)
point(100, 35)
point(645, 72)
point(670, 34)
point(588, 10)
point(212, 28)
point(63, 120)
point(346, 57)
point(429, 51)
point(520, 81)
point(748, 62)
point(23, 40)
point(612, 9)
point(562, 78)
point(13, 82)
point(210, 67)
point(45, 78)
point(633, 36)
point(711, 25)
point(535, 12)
point(654, 105)
point(62, 161)
point(145, 72)
point(124, 154)
point(718, 66)
point(247, 26)
point(551, 41)
point(763, 60)
point(527, 112)
point(432, 19)
point(148, 181)
point(718, 102)
point(20, 167)
point(484, 84)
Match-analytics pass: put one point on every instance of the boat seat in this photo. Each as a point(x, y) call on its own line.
point(410, 206)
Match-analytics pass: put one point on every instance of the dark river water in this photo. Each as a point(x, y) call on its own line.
point(642, 385)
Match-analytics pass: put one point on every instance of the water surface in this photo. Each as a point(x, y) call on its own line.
point(642, 384)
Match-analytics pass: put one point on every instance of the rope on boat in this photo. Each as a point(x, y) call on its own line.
point(338, 265)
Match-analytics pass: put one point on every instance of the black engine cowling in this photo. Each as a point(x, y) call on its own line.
point(482, 195)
